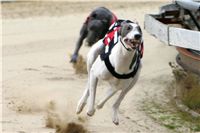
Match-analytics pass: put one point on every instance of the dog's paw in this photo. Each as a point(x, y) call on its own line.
point(90, 112)
point(80, 108)
point(99, 106)
point(74, 58)
point(115, 120)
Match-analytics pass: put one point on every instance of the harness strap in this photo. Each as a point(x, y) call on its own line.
point(141, 50)
point(121, 76)
point(133, 60)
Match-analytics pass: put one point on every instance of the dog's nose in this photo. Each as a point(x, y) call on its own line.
point(137, 36)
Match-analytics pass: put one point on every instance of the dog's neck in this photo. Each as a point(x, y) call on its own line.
point(121, 58)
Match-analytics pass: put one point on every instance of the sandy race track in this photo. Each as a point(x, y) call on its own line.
point(40, 86)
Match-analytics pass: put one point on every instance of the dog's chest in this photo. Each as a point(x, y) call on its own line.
point(100, 70)
point(122, 63)
point(120, 84)
point(102, 73)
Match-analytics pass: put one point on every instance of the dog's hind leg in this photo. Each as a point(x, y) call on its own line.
point(109, 94)
point(94, 52)
point(82, 102)
point(92, 94)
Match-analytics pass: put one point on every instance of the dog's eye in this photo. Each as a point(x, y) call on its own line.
point(94, 15)
point(129, 27)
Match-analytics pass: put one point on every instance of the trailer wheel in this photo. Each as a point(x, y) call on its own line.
point(188, 60)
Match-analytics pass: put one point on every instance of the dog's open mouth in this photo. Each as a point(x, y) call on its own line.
point(132, 43)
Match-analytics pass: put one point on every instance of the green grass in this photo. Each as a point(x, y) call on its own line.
point(166, 113)
point(170, 126)
point(170, 117)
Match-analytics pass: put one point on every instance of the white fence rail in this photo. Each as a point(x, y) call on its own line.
point(172, 35)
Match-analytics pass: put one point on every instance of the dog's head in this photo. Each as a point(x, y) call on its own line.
point(131, 34)
point(96, 29)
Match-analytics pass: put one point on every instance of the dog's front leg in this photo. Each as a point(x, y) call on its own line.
point(92, 94)
point(83, 34)
point(82, 102)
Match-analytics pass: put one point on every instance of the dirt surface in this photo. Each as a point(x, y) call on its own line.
point(40, 87)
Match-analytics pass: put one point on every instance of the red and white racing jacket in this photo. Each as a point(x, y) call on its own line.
point(110, 40)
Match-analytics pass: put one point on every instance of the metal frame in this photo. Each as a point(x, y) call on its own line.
point(187, 34)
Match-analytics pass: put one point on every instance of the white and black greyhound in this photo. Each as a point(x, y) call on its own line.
point(115, 59)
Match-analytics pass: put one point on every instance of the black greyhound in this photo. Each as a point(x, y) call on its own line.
point(94, 28)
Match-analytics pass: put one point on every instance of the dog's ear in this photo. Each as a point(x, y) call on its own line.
point(125, 28)
point(121, 25)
